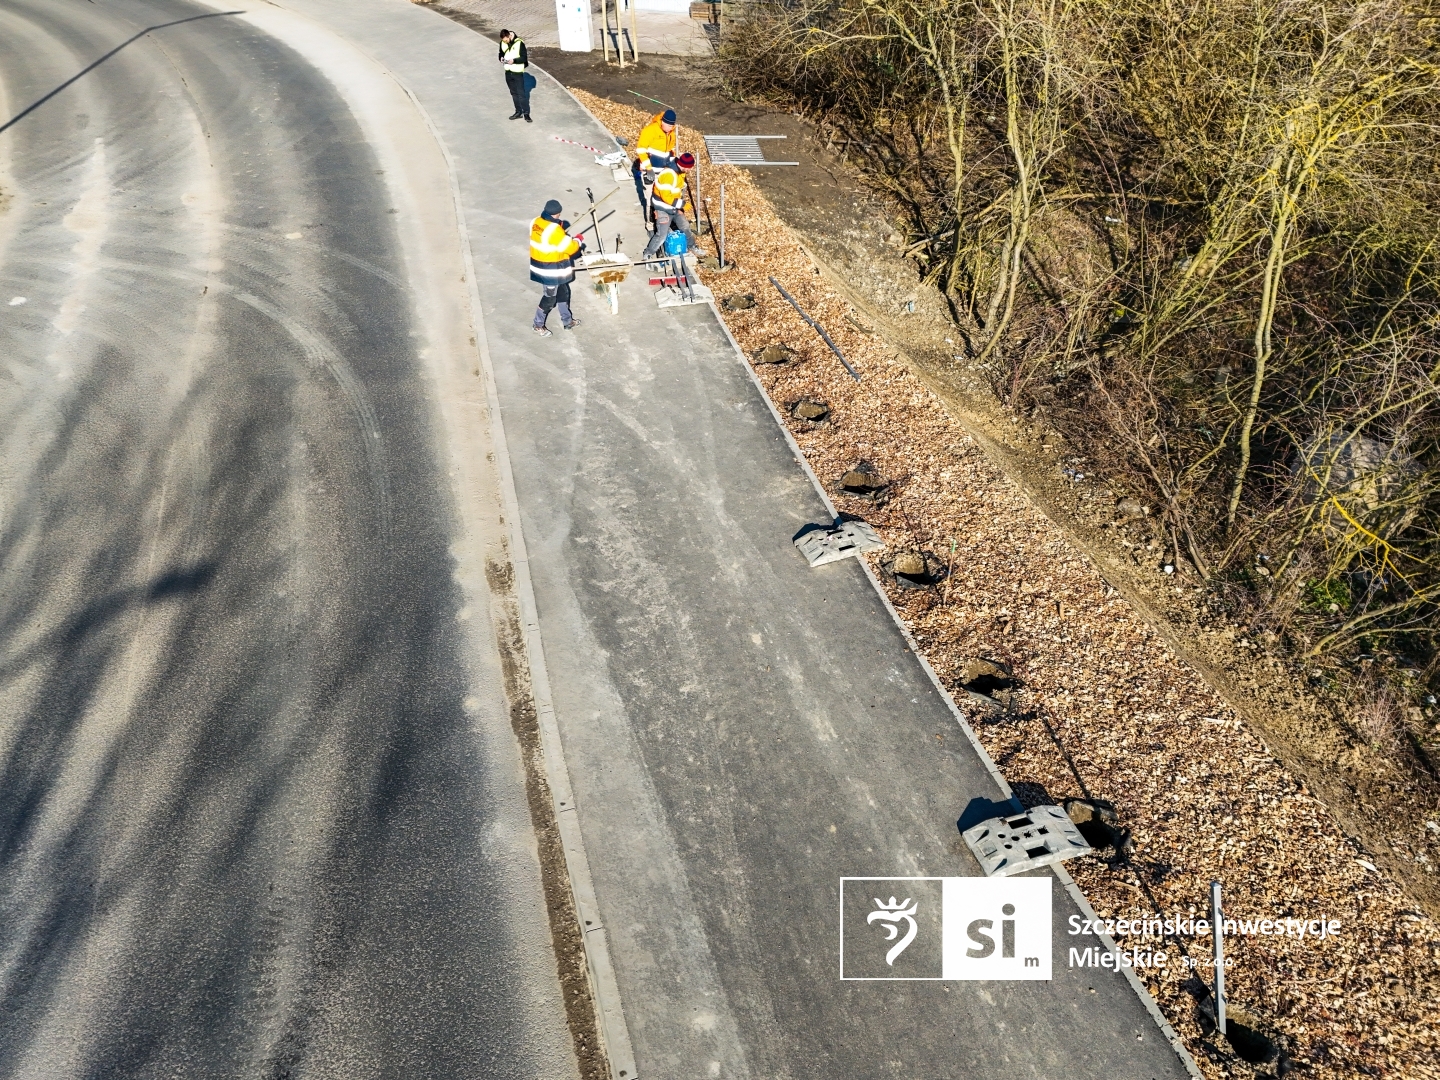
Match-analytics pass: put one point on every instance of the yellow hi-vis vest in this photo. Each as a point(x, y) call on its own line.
point(551, 252)
point(669, 189)
point(656, 147)
point(512, 55)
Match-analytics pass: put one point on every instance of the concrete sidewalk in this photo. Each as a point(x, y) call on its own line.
point(741, 731)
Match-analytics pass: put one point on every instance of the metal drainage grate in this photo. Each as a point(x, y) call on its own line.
point(740, 150)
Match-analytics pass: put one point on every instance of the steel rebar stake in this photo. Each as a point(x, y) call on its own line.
point(1219, 957)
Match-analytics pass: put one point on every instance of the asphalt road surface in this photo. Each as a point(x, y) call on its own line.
point(261, 811)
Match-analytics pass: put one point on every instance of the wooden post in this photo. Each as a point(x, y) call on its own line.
point(634, 35)
point(605, 28)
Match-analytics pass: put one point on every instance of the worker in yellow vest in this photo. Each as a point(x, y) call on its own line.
point(552, 264)
point(515, 58)
point(654, 150)
point(668, 204)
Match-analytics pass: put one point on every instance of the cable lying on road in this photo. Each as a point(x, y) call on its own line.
point(818, 329)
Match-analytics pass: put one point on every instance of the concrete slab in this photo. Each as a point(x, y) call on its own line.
point(741, 730)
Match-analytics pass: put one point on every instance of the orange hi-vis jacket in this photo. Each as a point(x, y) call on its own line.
point(656, 147)
point(669, 190)
point(552, 252)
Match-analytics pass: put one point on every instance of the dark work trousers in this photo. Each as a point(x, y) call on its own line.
point(519, 93)
point(640, 189)
point(667, 218)
point(555, 296)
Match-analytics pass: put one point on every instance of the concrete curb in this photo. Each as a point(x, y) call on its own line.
point(603, 984)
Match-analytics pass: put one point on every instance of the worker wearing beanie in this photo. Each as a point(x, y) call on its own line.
point(654, 150)
point(667, 203)
point(516, 59)
point(552, 264)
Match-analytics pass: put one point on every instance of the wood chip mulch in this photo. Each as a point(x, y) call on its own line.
point(1104, 709)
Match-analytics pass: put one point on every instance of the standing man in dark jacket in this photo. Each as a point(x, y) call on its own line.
point(516, 60)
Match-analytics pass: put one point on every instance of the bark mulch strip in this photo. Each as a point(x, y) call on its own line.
point(1103, 708)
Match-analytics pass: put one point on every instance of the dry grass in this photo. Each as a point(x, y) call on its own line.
point(1106, 708)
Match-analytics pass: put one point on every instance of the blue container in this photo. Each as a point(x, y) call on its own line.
point(676, 244)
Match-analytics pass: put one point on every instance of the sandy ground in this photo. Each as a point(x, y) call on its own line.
point(1101, 706)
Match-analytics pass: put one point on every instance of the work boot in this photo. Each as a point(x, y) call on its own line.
point(527, 119)
point(542, 331)
point(572, 324)
point(516, 115)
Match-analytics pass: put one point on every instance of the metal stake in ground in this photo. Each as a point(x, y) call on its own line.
point(1219, 957)
point(711, 222)
point(722, 226)
point(688, 291)
point(593, 224)
point(818, 329)
point(949, 567)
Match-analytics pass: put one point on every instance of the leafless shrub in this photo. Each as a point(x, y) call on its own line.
point(1202, 235)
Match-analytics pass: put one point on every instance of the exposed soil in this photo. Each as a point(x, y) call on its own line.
point(559, 900)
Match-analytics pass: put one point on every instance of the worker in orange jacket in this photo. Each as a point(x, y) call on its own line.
point(552, 264)
point(654, 150)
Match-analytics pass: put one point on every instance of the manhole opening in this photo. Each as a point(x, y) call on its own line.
point(810, 409)
point(1244, 1032)
point(1099, 824)
point(988, 684)
point(916, 569)
point(862, 482)
point(987, 677)
point(1250, 1043)
point(775, 354)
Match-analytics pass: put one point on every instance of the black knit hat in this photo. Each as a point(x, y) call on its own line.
point(552, 210)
